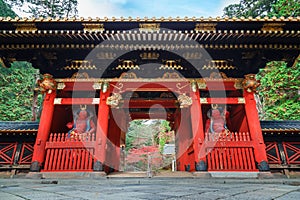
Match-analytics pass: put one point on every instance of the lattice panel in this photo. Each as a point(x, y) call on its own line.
point(26, 154)
point(7, 153)
point(292, 152)
point(273, 154)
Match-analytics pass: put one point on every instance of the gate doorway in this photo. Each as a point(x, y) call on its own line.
point(149, 146)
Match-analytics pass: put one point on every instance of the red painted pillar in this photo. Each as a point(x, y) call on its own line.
point(113, 151)
point(198, 133)
point(183, 137)
point(43, 132)
point(101, 133)
point(255, 131)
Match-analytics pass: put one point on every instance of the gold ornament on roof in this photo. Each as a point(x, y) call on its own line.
point(80, 64)
point(25, 27)
point(93, 27)
point(273, 27)
point(250, 83)
point(171, 65)
point(127, 64)
point(207, 27)
point(149, 56)
point(149, 27)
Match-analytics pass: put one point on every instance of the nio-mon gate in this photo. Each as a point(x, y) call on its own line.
point(115, 71)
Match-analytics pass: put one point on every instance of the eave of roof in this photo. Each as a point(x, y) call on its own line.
point(153, 19)
point(18, 127)
point(280, 126)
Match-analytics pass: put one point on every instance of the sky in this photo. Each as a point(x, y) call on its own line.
point(152, 8)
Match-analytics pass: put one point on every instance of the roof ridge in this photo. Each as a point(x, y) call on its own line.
point(152, 19)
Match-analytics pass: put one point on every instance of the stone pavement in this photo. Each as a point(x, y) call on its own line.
point(148, 188)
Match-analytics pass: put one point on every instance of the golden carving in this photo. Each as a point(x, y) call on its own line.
point(184, 101)
point(192, 55)
point(194, 86)
point(202, 84)
point(218, 64)
point(82, 75)
point(128, 75)
point(273, 27)
point(205, 27)
point(48, 84)
point(149, 56)
point(171, 64)
point(250, 83)
point(97, 86)
point(26, 27)
point(216, 75)
point(149, 27)
point(61, 86)
point(203, 100)
point(241, 100)
point(238, 85)
point(93, 27)
point(106, 55)
point(114, 100)
point(169, 75)
point(127, 64)
point(80, 64)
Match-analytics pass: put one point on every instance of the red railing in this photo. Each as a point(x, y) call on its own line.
point(7, 153)
point(273, 153)
point(64, 153)
point(230, 151)
point(292, 152)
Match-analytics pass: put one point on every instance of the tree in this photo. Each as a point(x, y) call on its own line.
point(279, 91)
point(17, 82)
point(16, 92)
point(262, 8)
point(6, 11)
point(46, 8)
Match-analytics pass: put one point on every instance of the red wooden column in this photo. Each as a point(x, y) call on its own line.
point(101, 133)
point(43, 132)
point(113, 151)
point(183, 137)
point(255, 131)
point(198, 133)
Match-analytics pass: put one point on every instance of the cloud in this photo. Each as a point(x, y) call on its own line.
point(151, 8)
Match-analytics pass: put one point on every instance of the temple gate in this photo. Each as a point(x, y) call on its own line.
point(100, 74)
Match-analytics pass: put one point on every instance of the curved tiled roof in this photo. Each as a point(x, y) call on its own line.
point(280, 125)
point(26, 126)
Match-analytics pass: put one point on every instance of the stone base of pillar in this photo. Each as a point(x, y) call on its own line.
point(98, 166)
point(201, 166)
point(263, 166)
point(35, 166)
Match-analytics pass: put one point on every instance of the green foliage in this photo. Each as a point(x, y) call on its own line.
point(262, 8)
point(144, 133)
point(6, 11)
point(46, 8)
point(279, 91)
point(165, 134)
point(16, 94)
